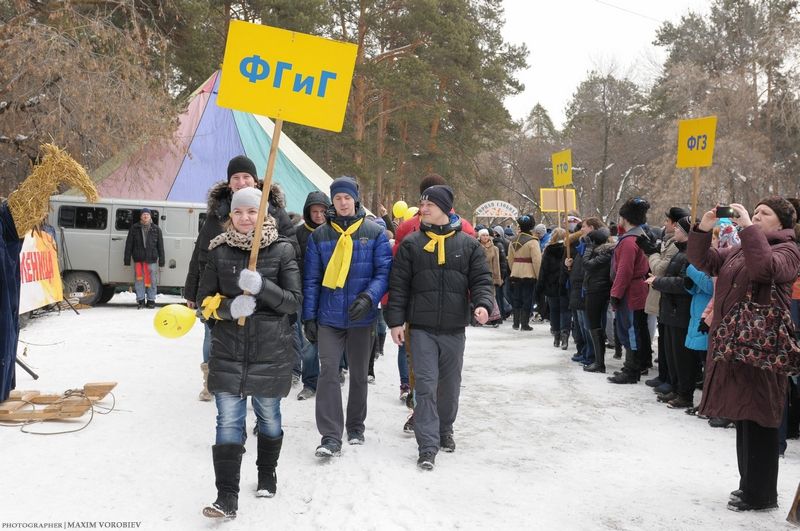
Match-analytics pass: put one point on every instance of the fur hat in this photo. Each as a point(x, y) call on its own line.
point(345, 185)
point(526, 222)
point(440, 195)
point(783, 209)
point(246, 198)
point(483, 231)
point(432, 179)
point(634, 210)
point(241, 164)
point(540, 229)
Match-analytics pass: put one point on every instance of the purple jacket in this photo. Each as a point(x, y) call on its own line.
point(734, 390)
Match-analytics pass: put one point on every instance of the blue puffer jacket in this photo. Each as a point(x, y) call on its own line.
point(369, 272)
point(702, 291)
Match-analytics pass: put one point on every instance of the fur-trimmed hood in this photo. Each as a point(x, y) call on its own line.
point(219, 198)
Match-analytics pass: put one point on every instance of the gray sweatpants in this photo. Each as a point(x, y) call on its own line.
point(438, 360)
point(357, 342)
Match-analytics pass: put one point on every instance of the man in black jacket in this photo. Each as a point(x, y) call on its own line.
point(435, 272)
point(146, 246)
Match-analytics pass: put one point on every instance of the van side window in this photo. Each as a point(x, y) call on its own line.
point(78, 217)
point(128, 216)
point(201, 221)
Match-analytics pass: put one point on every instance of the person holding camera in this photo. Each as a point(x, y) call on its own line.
point(763, 267)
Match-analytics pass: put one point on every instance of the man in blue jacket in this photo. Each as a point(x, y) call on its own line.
point(346, 272)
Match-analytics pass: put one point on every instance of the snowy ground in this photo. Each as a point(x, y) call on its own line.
point(541, 445)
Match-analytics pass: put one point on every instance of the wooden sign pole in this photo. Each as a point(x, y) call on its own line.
point(695, 193)
point(566, 241)
point(262, 209)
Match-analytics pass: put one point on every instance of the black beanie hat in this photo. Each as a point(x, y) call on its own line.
point(783, 209)
point(685, 224)
point(676, 213)
point(440, 195)
point(241, 164)
point(635, 210)
point(526, 222)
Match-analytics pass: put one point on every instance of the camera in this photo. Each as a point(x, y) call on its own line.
point(725, 211)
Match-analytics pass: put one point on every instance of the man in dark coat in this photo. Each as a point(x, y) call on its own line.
point(436, 271)
point(145, 245)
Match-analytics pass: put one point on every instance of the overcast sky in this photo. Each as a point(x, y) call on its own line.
point(568, 38)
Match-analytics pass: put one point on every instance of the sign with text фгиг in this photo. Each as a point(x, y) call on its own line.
point(286, 75)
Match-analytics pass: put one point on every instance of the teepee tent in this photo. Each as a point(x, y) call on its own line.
point(207, 137)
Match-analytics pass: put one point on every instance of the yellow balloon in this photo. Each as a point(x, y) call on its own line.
point(174, 320)
point(399, 209)
point(410, 213)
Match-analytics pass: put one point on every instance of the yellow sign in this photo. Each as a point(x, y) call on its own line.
point(552, 199)
point(696, 142)
point(562, 168)
point(286, 75)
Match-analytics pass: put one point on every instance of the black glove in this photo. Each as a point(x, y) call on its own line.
point(615, 302)
point(703, 327)
point(646, 244)
point(688, 283)
point(360, 307)
point(310, 329)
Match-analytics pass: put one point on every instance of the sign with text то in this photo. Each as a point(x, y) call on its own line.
point(286, 75)
point(696, 142)
point(562, 168)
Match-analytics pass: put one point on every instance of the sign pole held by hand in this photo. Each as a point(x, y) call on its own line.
point(696, 150)
point(262, 208)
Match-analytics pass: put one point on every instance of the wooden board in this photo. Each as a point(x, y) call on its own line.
point(19, 407)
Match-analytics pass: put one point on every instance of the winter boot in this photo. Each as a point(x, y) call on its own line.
point(227, 463)
point(524, 320)
point(564, 339)
point(556, 338)
point(205, 396)
point(599, 345)
point(269, 450)
point(515, 326)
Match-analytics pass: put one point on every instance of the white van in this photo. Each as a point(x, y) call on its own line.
point(91, 242)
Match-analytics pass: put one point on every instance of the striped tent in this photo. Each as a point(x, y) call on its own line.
point(207, 137)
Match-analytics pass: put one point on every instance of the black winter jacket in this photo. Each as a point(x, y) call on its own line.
point(308, 226)
point(552, 281)
point(597, 268)
point(675, 306)
point(575, 275)
point(502, 248)
point(217, 213)
point(136, 249)
point(437, 297)
point(257, 358)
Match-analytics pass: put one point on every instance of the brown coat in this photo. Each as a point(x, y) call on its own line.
point(734, 390)
point(493, 257)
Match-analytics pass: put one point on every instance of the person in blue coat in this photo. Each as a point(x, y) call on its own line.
point(701, 287)
point(346, 273)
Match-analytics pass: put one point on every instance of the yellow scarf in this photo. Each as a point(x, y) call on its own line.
point(437, 240)
point(309, 227)
point(210, 306)
point(339, 266)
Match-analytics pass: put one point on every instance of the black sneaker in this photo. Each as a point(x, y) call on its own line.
point(140, 304)
point(151, 304)
point(328, 449)
point(426, 461)
point(355, 438)
point(447, 443)
point(408, 427)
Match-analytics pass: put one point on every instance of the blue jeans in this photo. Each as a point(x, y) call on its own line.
point(206, 342)
point(310, 355)
point(232, 412)
point(298, 348)
point(583, 330)
point(138, 285)
point(402, 364)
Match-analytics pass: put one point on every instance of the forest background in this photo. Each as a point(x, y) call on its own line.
point(431, 77)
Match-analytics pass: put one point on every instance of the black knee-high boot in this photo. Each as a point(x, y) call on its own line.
point(269, 450)
point(599, 345)
point(227, 464)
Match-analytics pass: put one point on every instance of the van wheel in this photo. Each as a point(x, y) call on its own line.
point(108, 293)
point(85, 285)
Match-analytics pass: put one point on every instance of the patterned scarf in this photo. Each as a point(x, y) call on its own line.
point(234, 238)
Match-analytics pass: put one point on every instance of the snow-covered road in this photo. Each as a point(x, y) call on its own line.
point(541, 445)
